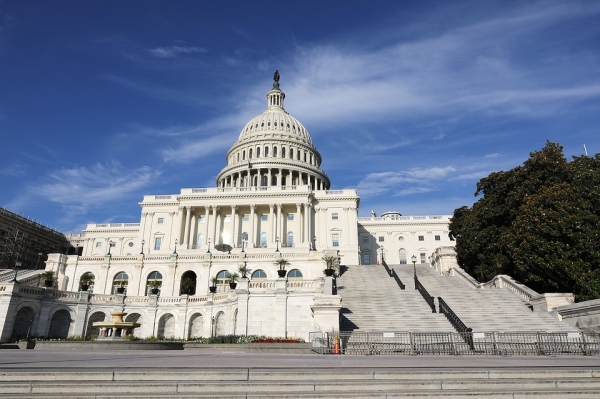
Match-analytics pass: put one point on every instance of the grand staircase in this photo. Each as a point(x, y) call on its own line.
point(372, 301)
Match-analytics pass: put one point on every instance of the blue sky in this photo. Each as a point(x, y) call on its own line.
point(410, 102)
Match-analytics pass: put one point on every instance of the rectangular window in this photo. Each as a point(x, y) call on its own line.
point(228, 219)
point(335, 239)
point(98, 244)
point(157, 242)
point(246, 218)
point(202, 219)
point(290, 216)
point(334, 216)
point(421, 238)
point(437, 238)
point(365, 239)
point(381, 238)
point(366, 259)
point(422, 257)
point(161, 220)
point(264, 218)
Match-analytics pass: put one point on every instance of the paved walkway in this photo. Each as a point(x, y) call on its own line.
point(18, 359)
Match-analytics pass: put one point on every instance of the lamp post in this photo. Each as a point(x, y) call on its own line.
point(175, 251)
point(414, 261)
point(382, 254)
point(142, 253)
point(110, 244)
point(277, 242)
point(37, 265)
point(17, 265)
point(314, 243)
point(243, 246)
point(208, 246)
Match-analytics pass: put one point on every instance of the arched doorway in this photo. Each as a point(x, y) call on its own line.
point(134, 318)
point(91, 330)
point(154, 281)
point(23, 322)
point(187, 285)
point(220, 324)
point(223, 281)
point(166, 326)
point(196, 327)
point(60, 324)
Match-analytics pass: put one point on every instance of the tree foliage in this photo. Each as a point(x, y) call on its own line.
point(539, 223)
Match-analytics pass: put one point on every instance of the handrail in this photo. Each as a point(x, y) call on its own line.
point(387, 268)
point(465, 277)
point(456, 322)
point(400, 283)
point(428, 298)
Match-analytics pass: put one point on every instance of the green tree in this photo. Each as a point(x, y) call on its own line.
point(539, 222)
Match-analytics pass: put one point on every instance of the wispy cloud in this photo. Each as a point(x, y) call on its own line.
point(173, 51)
point(14, 169)
point(418, 179)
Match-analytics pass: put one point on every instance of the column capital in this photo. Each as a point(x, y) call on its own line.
point(172, 214)
point(271, 206)
point(180, 208)
point(252, 207)
point(279, 206)
point(151, 214)
point(298, 204)
point(188, 207)
point(233, 208)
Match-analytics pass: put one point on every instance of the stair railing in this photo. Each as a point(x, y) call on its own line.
point(392, 273)
point(456, 322)
point(428, 298)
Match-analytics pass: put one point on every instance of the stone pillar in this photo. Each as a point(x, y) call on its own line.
point(252, 228)
point(193, 224)
point(206, 218)
point(271, 239)
point(279, 224)
point(242, 305)
point(214, 230)
point(233, 240)
point(179, 224)
point(268, 177)
point(81, 314)
point(186, 232)
point(299, 221)
point(143, 225)
point(326, 312)
point(307, 237)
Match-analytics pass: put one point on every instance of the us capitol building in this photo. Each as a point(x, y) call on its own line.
point(272, 201)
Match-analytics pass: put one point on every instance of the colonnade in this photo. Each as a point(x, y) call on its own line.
point(262, 177)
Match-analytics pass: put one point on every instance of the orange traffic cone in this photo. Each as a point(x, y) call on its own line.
point(336, 346)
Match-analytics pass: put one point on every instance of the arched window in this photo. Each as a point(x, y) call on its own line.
point(120, 281)
point(154, 281)
point(250, 153)
point(273, 180)
point(258, 274)
point(263, 239)
point(200, 240)
point(264, 181)
point(266, 151)
point(244, 155)
point(187, 284)
point(223, 281)
point(298, 155)
point(282, 152)
point(291, 153)
point(238, 157)
point(257, 152)
point(274, 151)
point(88, 279)
point(295, 274)
point(304, 156)
point(290, 239)
point(245, 236)
point(402, 254)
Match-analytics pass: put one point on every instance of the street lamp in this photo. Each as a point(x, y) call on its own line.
point(277, 242)
point(143, 242)
point(208, 246)
point(414, 261)
point(17, 265)
point(175, 251)
point(38, 261)
point(244, 246)
point(110, 244)
point(382, 254)
point(314, 243)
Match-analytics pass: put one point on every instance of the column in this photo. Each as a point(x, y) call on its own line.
point(214, 235)
point(345, 237)
point(307, 237)
point(186, 233)
point(252, 228)
point(279, 224)
point(279, 177)
point(179, 223)
point(142, 226)
point(268, 177)
point(299, 222)
point(271, 239)
point(193, 224)
point(206, 218)
point(233, 236)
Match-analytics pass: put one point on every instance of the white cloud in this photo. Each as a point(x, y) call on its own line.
point(173, 51)
point(419, 179)
point(493, 155)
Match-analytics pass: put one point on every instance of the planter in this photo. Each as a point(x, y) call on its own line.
point(120, 290)
point(154, 291)
point(84, 287)
point(212, 289)
point(281, 273)
point(48, 283)
point(329, 272)
point(26, 344)
point(232, 285)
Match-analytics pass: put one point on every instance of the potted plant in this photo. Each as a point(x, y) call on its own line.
point(232, 280)
point(282, 263)
point(244, 270)
point(188, 285)
point(213, 287)
point(85, 280)
point(48, 277)
point(155, 285)
point(331, 265)
point(121, 286)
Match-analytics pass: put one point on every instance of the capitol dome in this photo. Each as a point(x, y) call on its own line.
point(273, 149)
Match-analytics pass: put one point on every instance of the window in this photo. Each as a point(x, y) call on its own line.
point(365, 239)
point(250, 153)
point(259, 274)
point(421, 238)
point(264, 218)
point(258, 152)
point(222, 281)
point(157, 242)
point(400, 238)
point(422, 255)
point(402, 254)
point(381, 238)
point(246, 218)
point(98, 244)
point(154, 281)
point(366, 259)
point(304, 156)
point(238, 157)
point(290, 216)
point(298, 155)
point(228, 219)
point(437, 238)
point(160, 220)
point(282, 152)
point(295, 274)
point(274, 151)
point(200, 240)
point(334, 216)
point(120, 281)
point(263, 239)
point(266, 151)
point(291, 153)
point(290, 239)
point(335, 239)
point(202, 219)
point(244, 155)
point(264, 181)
